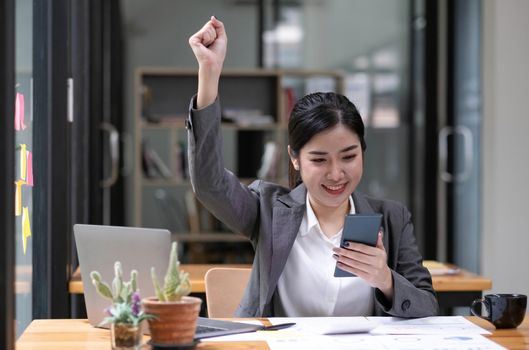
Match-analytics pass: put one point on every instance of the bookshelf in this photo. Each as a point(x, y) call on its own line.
point(255, 107)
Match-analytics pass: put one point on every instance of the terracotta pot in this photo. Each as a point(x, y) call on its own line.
point(175, 321)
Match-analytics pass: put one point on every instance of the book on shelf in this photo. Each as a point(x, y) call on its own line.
point(147, 163)
point(290, 101)
point(153, 165)
point(180, 167)
point(268, 169)
point(146, 102)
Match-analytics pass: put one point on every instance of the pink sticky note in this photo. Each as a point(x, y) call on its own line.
point(29, 169)
point(19, 112)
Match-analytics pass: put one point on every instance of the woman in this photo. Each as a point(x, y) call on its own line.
point(296, 231)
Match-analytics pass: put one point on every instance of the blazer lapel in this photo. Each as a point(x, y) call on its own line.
point(361, 204)
point(287, 215)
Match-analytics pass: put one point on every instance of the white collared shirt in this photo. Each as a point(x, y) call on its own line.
point(307, 286)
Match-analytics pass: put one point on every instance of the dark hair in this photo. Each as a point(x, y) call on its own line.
point(315, 113)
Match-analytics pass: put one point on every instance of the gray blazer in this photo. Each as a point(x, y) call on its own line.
point(270, 216)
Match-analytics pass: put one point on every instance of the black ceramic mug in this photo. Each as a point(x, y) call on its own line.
point(504, 310)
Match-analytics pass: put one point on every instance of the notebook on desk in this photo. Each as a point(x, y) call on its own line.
point(99, 247)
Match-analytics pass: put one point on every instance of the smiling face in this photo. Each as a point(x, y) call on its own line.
point(331, 166)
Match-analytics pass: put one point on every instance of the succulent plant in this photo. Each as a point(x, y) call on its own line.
point(126, 301)
point(176, 282)
point(121, 291)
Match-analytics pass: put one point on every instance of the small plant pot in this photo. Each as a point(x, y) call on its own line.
point(125, 336)
point(175, 322)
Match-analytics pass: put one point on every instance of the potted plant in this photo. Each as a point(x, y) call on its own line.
point(125, 313)
point(175, 312)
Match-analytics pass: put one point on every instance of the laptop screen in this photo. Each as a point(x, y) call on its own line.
point(99, 247)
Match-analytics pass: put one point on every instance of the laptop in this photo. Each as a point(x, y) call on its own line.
point(99, 247)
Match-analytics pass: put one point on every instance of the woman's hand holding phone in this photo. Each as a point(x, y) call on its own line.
point(368, 263)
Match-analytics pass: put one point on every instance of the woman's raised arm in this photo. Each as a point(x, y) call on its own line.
point(209, 46)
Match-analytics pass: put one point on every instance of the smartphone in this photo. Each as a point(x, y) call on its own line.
point(360, 228)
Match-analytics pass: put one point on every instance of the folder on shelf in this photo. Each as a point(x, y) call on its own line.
point(153, 165)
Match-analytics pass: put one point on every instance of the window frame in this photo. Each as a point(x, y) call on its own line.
point(7, 175)
point(52, 242)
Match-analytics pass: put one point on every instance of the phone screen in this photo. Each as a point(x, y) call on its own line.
point(360, 228)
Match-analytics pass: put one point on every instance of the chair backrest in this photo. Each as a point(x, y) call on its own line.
point(224, 290)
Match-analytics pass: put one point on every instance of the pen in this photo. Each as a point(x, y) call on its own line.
point(278, 326)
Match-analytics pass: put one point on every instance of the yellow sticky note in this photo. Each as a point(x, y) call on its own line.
point(26, 228)
point(18, 197)
point(23, 158)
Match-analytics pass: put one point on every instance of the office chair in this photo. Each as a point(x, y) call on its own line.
point(224, 290)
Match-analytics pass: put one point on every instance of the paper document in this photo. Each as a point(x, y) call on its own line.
point(429, 333)
point(437, 268)
point(428, 325)
point(397, 342)
point(328, 325)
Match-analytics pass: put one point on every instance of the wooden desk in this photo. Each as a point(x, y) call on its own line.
point(458, 290)
point(78, 334)
point(452, 290)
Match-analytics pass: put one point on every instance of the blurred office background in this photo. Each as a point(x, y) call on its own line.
point(442, 85)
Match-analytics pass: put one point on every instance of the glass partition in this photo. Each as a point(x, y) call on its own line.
point(23, 196)
point(368, 40)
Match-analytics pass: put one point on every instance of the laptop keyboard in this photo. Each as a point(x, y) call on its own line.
point(206, 329)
